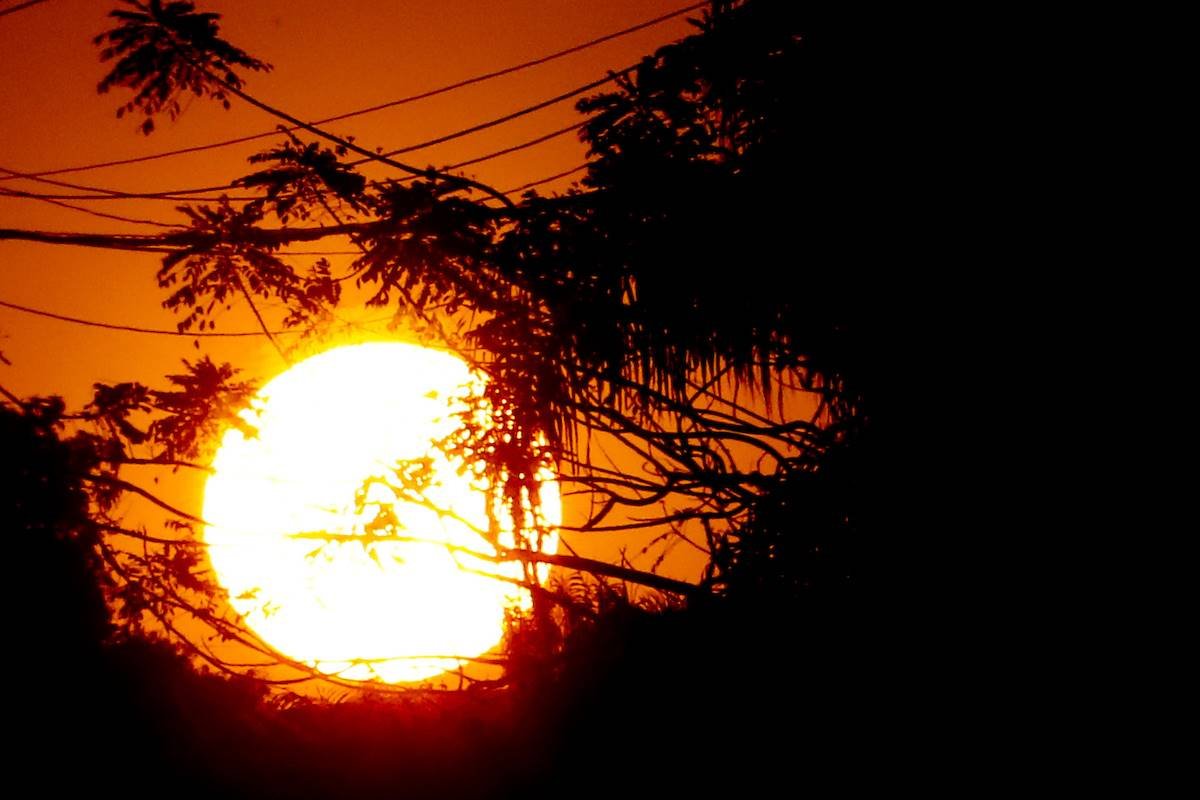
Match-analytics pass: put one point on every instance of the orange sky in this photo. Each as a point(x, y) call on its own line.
point(329, 58)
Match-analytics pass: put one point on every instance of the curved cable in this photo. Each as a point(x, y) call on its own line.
point(390, 104)
point(19, 7)
point(37, 312)
point(89, 323)
point(81, 209)
point(181, 195)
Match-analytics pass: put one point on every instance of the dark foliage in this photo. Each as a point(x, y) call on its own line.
point(134, 712)
point(164, 49)
point(45, 514)
point(304, 175)
point(201, 404)
point(180, 422)
point(232, 263)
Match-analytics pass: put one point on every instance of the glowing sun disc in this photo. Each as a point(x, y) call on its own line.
point(391, 610)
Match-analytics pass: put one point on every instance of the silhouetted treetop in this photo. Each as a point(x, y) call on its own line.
point(679, 338)
point(164, 49)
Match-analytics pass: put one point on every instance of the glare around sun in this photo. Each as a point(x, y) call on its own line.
point(394, 611)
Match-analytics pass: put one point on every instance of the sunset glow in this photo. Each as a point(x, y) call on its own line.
point(363, 610)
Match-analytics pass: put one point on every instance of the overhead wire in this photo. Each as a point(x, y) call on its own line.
point(92, 212)
point(379, 107)
point(521, 188)
point(319, 253)
point(37, 312)
point(242, 334)
point(515, 148)
point(181, 195)
point(548, 179)
point(4, 12)
point(105, 193)
point(230, 334)
point(612, 76)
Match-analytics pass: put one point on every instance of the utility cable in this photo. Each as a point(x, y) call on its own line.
point(4, 12)
point(181, 195)
point(37, 312)
point(94, 213)
point(540, 181)
point(612, 76)
point(390, 104)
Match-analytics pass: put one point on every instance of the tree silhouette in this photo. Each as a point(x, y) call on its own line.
point(645, 334)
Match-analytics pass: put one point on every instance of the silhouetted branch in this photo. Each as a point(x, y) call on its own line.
point(109, 480)
point(145, 537)
point(20, 404)
point(582, 564)
point(160, 462)
point(262, 323)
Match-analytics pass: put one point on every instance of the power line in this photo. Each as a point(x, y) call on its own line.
point(174, 195)
point(81, 209)
point(540, 181)
point(458, 134)
point(37, 312)
point(319, 253)
point(390, 104)
point(136, 221)
point(4, 12)
point(105, 192)
point(612, 76)
point(180, 195)
point(524, 145)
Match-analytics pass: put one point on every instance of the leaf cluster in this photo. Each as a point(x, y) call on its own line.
point(164, 50)
point(230, 261)
point(184, 420)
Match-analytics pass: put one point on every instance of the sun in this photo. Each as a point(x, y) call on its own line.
point(290, 511)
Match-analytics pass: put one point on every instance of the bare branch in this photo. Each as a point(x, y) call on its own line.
point(110, 480)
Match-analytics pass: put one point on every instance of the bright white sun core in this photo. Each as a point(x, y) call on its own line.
point(345, 604)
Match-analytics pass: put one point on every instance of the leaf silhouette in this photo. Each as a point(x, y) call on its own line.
point(163, 50)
